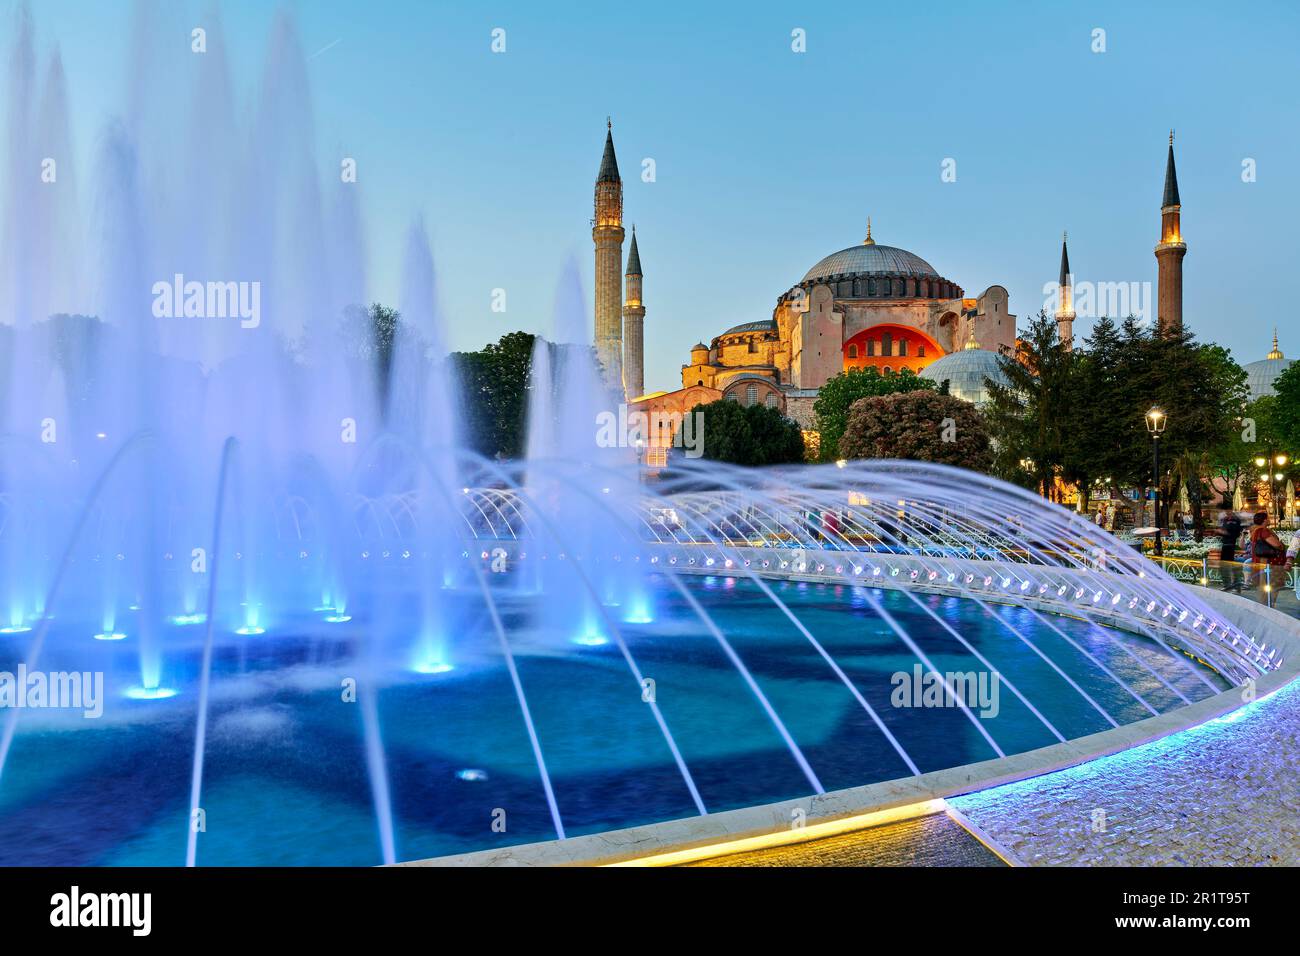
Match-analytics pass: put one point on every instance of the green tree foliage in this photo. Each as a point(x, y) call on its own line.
point(1031, 413)
point(837, 396)
point(369, 334)
point(921, 425)
point(1082, 414)
point(1286, 419)
point(749, 434)
point(495, 383)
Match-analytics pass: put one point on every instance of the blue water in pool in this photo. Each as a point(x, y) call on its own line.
point(285, 777)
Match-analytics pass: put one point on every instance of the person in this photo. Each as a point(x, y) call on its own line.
point(1101, 515)
point(1230, 531)
point(1265, 546)
point(1291, 551)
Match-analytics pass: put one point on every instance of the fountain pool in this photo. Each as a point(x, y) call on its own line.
point(286, 779)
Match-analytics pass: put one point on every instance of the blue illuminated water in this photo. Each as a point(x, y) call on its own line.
point(286, 777)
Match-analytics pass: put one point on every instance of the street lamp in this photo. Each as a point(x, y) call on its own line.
point(1156, 422)
point(1274, 479)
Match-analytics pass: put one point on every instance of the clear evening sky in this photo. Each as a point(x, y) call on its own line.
point(767, 159)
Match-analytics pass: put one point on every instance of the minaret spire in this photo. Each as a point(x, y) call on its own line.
point(607, 234)
point(1065, 299)
point(1170, 251)
point(1277, 352)
point(633, 325)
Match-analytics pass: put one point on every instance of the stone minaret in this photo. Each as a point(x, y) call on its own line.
point(1169, 252)
point(607, 234)
point(1065, 303)
point(633, 325)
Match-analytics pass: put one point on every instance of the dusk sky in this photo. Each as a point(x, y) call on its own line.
point(766, 159)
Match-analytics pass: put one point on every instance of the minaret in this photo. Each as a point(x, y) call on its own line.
point(1170, 252)
point(633, 325)
point(1065, 303)
point(607, 234)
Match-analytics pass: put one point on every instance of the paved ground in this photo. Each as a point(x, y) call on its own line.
point(1224, 793)
point(927, 841)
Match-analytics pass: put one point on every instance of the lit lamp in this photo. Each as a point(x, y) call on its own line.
point(1156, 422)
point(1265, 466)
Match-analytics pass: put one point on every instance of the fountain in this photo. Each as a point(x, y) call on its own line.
point(332, 634)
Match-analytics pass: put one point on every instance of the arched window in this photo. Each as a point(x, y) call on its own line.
point(853, 351)
point(871, 346)
point(920, 350)
point(751, 394)
point(887, 370)
point(886, 344)
point(771, 399)
point(902, 346)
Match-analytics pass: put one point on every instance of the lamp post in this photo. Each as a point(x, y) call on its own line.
point(1156, 422)
point(1274, 479)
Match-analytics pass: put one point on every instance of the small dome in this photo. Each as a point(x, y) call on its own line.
point(1261, 375)
point(868, 259)
point(965, 372)
point(699, 347)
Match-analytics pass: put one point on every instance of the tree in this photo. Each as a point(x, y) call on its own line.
point(1082, 414)
point(748, 434)
point(369, 335)
point(921, 425)
point(496, 384)
point(1032, 412)
point(839, 393)
point(1287, 413)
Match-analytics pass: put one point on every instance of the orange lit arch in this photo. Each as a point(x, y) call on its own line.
point(867, 349)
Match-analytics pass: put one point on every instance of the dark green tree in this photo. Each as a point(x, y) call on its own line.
point(748, 434)
point(1031, 412)
point(839, 393)
point(369, 335)
point(495, 383)
point(1287, 414)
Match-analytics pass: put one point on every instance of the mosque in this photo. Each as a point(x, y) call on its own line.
point(865, 306)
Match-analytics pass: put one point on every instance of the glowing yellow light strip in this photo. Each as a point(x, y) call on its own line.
point(814, 831)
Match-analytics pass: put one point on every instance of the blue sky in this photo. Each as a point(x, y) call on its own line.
point(768, 160)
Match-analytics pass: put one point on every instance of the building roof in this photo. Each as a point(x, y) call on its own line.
point(609, 162)
point(762, 325)
point(868, 259)
point(1065, 263)
point(1261, 375)
point(1171, 177)
point(965, 372)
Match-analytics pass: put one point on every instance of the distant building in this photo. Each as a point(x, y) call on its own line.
point(867, 306)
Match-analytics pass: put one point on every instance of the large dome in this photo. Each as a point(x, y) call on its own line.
point(869, 259)
point(965, 373)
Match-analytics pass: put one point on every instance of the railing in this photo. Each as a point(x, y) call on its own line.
point(1258, 581)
